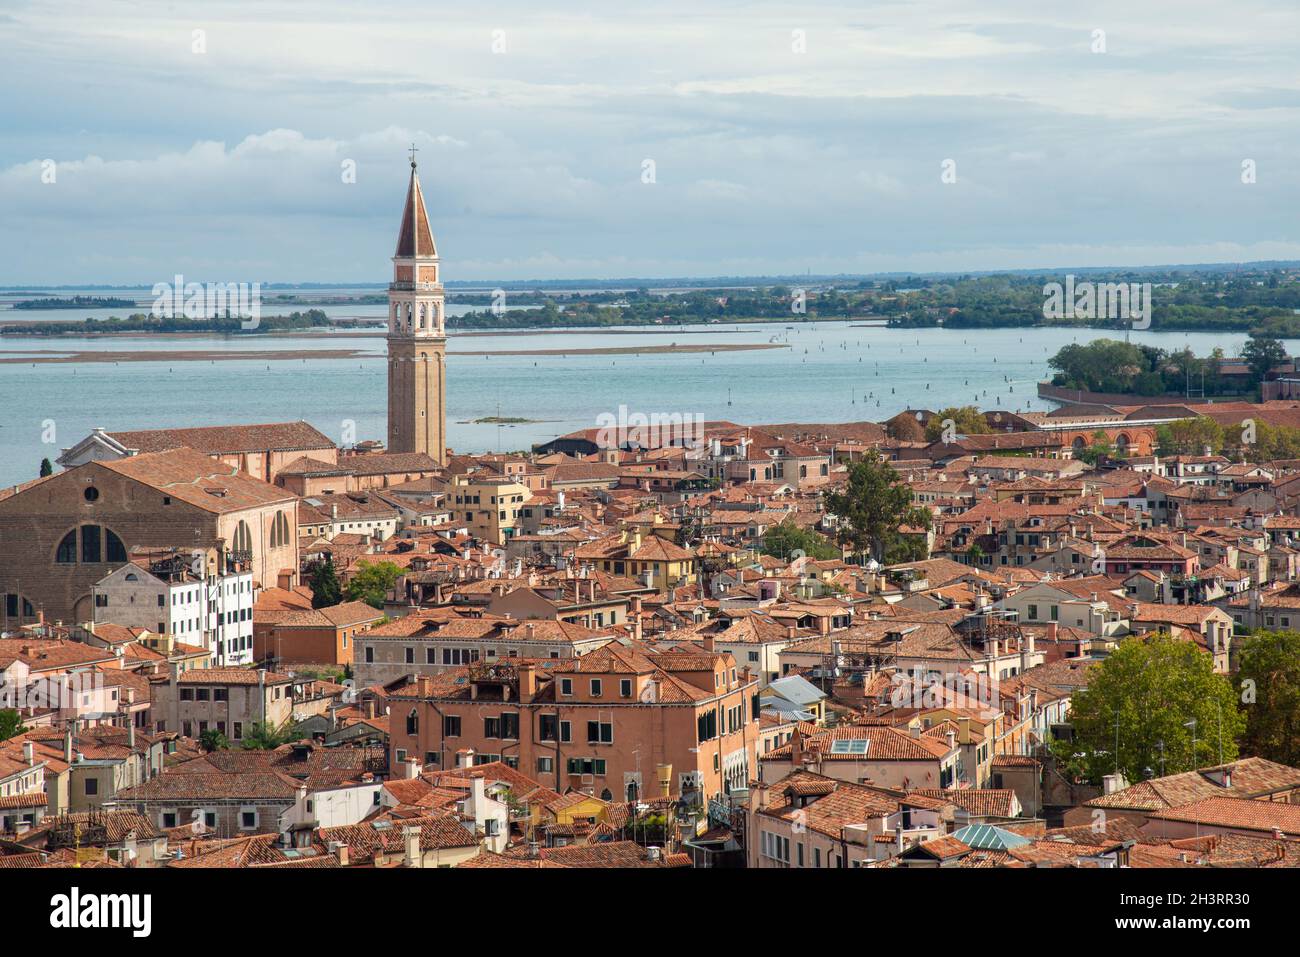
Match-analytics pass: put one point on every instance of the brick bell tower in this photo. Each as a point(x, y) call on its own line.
point(417, 340)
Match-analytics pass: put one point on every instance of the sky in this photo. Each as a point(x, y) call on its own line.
point(142, 139)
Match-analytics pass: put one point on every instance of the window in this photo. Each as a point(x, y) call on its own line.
point(92, 786)
point(239, 730)
point(248, 820)
point(545, 765)
point(625, 687)
point(370, 654)
point(98, 544)
point(566, 686)
point(492, 727)
point(412, 722)
point(91, 494)
point(594, 766)
point(776, 847)
point(595, 687)
point(707, 726)
point(410, 655)
point(243, 542)
point(566, 732)
point(546, 727)
point(451, 725)
point(187, 694)
point(600, 732)
point(510, 725)
point(279, 530)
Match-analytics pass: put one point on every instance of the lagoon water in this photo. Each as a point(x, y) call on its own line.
point(826, 372)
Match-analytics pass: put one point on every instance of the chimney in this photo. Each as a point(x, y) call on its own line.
point(341, 852)
point(915, 730)
point(708, 643)
point(1051, 635)
point(67, 744)
point(963, 723)
point(29, 753)
point(527, 682)
point(952, 739)
point(478, 798)
point(130, 732)
point(635, 605)
point(465, 758)
point(411, 846)
point(898, 837)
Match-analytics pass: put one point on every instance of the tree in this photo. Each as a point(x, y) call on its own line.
point(1153, 688)
point(1101, 447)
point(1262, 354)
point(1189, 437)
point(46, 468)
point(872, 506)
point(905, 428)
point(371, 583)
point(785, 539)
point(325, 588)
point(266, 737)
point(966, 420)
point(213, 740)
point(1268, 682)
point(11, 724)
point(1103, 365)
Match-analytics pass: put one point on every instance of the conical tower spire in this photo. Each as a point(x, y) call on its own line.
point(415, 240)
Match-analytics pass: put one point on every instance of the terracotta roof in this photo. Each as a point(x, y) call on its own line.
point(1251, 777)
point(1241, 813)
point(217, 439)
point(197, 480)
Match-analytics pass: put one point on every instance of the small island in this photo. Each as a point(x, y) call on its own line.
point(76, 302)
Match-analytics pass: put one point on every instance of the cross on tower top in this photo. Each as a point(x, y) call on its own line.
point(414, 150)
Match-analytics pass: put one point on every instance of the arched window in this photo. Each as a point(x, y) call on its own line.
point(607, 795)
point(115, 551)
point(631, 792)
point(279, 530)
point(243, 538)
point(67, 553)
point(412, 722)
point(97, 544)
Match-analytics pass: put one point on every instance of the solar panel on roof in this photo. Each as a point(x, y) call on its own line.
point(850, 746)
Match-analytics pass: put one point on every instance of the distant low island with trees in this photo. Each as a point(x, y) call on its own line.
point(1262, 301)
point(1113, 366)
point(75, 302)
point(149, 324)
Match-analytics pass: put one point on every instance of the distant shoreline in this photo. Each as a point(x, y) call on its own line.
point(52, 356)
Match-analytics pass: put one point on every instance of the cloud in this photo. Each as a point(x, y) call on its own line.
point(768, 153)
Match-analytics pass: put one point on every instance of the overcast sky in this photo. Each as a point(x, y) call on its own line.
point(228, 164)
